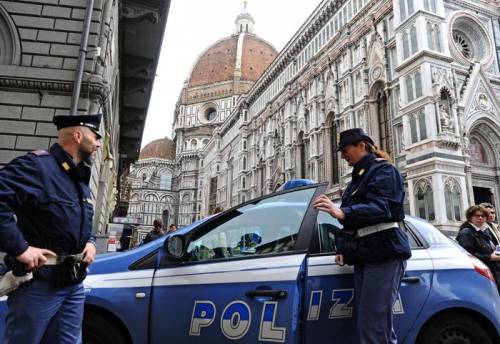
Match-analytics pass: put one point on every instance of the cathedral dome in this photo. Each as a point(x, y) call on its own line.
point(226, 60)
point(160, 149)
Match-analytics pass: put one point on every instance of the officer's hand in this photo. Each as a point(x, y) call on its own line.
point(339, 259)
point(323, 203)
point(89, 253)
point(34, 257)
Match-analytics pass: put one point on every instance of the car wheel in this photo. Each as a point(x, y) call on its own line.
point(454, 329)
point(100, 329)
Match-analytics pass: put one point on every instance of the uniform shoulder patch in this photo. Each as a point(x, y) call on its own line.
point(40, 152)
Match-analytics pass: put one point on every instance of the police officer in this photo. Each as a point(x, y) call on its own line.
point(372, 206)
point(45, 210)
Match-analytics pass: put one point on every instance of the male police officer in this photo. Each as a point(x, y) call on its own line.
point(46, 209)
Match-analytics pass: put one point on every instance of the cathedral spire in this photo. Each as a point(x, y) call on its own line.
point(244, 22)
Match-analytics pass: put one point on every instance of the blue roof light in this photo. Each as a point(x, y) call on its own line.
point(296, 183)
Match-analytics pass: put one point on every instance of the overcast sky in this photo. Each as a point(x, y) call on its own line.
point(192, 26)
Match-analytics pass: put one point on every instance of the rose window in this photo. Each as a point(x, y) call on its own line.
point(463, 44)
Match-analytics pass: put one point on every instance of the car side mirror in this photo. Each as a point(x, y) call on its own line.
point(175, 246)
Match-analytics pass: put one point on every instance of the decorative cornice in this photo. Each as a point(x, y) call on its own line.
point(290, 53)
point(93, 89)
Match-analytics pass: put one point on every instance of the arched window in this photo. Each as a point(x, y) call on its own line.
point(302, 156)
point(243, 183)
point(418, 84)
point(406, 45)
point(9, 40)
point(452, 197)
point(150, 208)
point(424, 202)
point(430, 36)
point(244, 163)
point(383, 122)
point(418, 127)
point(411, 8)
point(185, 204)
point(194, 144)
point(402, 9)
point(437, 37)
point(413, 38)
point(409, 89)
point(430, 5)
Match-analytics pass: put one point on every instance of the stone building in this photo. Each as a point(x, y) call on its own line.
point(39, 50)
point(421, 76)
point(150, 182)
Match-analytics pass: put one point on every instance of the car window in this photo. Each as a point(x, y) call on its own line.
point(327, 228)
point(413, 240)
point(270, 225)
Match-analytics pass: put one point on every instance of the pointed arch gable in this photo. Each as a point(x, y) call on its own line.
point(480, 101)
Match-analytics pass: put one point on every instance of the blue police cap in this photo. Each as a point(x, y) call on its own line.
point(351, 136)
point(90, 121)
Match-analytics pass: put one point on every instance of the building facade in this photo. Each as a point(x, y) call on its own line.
point(151, 195)
point(40, 44)
point(421, 77)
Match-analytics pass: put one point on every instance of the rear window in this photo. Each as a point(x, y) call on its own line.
point(428, 232)
point(328, 228)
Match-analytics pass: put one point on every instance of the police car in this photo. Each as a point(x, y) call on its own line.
point(264, 271)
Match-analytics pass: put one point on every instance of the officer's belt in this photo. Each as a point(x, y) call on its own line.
point(17, 276)
point(364, 231)
point(57, 260)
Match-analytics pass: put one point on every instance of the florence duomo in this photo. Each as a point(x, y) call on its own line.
point(422, 77)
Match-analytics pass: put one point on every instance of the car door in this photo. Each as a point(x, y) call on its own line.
point(241, 277)
point(329, 299)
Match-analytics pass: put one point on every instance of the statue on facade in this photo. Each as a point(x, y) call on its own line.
point(446, 118)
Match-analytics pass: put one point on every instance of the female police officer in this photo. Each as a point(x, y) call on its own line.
point(372, 206)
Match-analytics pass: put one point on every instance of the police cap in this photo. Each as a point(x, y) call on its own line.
point(90, 121)
point(351, 136)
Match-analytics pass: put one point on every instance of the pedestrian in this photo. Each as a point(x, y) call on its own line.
point(156, 232)
point(475, 236)
point(495, 231)
point(172, 228)
point(46, 209)
point(371, 239)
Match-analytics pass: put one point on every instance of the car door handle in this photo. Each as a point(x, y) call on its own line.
point(275, 294)
point(411, 279)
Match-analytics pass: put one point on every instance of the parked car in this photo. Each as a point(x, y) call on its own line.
point(264, 271)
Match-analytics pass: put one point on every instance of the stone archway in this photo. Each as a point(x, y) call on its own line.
point(484, 152)
point(10, 52)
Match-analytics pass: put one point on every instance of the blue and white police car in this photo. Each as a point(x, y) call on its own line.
point(264, 271)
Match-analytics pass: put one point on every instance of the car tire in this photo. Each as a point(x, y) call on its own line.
point(100, 329)
point(453, 328)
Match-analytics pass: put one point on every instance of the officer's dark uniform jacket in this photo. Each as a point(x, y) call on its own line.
point(374, 195)
point(480, 244)
point(49, 196)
